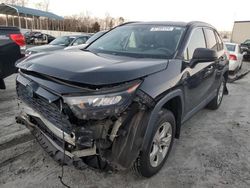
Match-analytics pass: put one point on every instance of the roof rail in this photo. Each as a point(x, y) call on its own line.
point(128, 23)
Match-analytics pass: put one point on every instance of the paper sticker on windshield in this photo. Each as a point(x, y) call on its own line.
point(162, 28)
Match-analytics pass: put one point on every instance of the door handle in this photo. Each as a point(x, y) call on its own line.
point(210, 68)
point(208, 71)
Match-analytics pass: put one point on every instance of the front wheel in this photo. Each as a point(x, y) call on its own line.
point(215, 103)
point(153, 158)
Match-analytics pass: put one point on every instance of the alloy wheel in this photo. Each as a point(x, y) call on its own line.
point(161, 143)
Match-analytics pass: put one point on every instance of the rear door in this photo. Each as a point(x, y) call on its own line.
point(211, 71)
point(220, 63)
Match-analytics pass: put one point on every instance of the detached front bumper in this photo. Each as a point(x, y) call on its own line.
point(46, 140)
point(55, 151)
point(117, 140)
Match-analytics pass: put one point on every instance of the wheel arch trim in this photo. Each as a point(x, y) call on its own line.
point(157, 109)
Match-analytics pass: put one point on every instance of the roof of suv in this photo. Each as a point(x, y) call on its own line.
point(183, 24)
point(76, 36)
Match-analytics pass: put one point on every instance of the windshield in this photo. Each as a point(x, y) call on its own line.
point(62, 41)
point(145, 41)
point(95, 36)
point(247, 42)
point(230, 47)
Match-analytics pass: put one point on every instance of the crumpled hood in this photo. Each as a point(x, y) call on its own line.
point(89, 68)
point(46, 48)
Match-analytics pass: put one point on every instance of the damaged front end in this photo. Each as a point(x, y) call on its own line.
point(107, 123)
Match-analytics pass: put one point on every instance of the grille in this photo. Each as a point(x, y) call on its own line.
point(50, 111)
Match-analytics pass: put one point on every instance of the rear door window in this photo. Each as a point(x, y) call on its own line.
point(220, 45)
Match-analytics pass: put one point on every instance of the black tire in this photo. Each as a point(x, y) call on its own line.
point(142, 165)
point(216, 102)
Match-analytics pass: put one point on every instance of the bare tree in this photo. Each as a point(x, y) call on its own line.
point(107, 21)
point(16, 2)
point(23, 2)
point(111, 23)
point(46, 5)
point(95, 27)
point(43, 5)
point(121, 20)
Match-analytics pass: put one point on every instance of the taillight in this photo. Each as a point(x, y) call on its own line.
point(232, 57)
point(18, 39)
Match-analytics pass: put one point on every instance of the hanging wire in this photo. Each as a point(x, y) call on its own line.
point(61, 177)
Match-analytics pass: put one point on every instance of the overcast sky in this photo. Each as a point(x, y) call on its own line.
point(220, 13)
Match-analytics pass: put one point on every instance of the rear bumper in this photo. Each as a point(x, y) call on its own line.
point(233, 65)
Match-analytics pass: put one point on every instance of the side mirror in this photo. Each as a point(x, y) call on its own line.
point(203, 55)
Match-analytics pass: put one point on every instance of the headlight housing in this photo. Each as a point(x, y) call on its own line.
point(101, 106)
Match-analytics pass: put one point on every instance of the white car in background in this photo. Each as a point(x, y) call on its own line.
point(235, 56)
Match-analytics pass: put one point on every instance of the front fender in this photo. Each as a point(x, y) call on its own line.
point(155, 112)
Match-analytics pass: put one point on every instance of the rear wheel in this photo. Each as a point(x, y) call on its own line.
point(215, 103)
point(153, 158)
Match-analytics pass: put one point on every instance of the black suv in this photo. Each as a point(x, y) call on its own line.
point(121, 102)
point(12, 46)
point(245, 47)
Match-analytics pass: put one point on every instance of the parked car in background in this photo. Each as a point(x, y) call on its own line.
point(33, 37)
point(12, 44)
point(235, 57)
point(245, 47)
point(50, 38)
point(59, 44)
point(29, 37)
point(121, 102)
point(91, 39)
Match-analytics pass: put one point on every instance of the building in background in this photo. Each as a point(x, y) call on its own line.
point(30, 18)
point(241, 31)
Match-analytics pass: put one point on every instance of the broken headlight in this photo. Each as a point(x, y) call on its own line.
point(100, 106)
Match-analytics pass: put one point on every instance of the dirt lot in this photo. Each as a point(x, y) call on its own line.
point(213, 151)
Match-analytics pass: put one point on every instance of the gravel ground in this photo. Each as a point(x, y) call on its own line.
point(213, 151)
